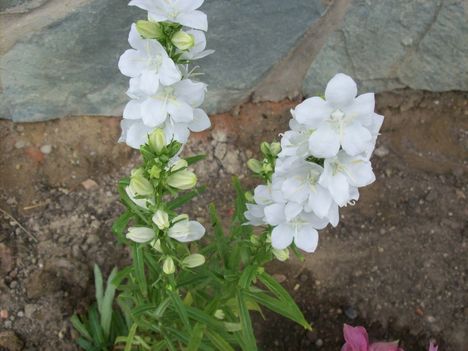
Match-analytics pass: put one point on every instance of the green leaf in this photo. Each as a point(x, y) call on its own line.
point(247, 276)
point(196, 337)
point(180, 309)
point(94, 326)
point(218, 341)
point(80, 327)
point(106, 303)
point(130, 337)
point(121, 275)
point(218, 231)
point(194, 159)
point(247, 330)
point(99, 286)
point(118, 227)
point(85, 345)
point(139, 268)
point(184, 198)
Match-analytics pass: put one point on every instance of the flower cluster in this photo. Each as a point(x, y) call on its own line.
point(162, 93)
point(322, 161)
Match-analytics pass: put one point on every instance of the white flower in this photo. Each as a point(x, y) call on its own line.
point(134, 132)
point(198, 50)
point(255, 214)
point(168, 265)
point(140, 234)
point(301, 186)
point(178, 11)
point(193, 260)
point(343, 173)
point(148, 63)
point(139, 202)
point(161, 219)
point(183, 180)
point(374, 128)
point(341, 120)
point(302, 230)
point(186, 231)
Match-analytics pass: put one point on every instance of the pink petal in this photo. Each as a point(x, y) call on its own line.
point(385, 346)
point(356, 338)
point(433, 346)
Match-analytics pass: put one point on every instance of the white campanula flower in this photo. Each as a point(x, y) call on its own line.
point(140, 234)
point(185, 231)
point(343, 174)
point(198, 50)
point(302, 230)
point(161, 219)
point(148, 63)
point(138, 200)
point(178, 11)
point(341, 120)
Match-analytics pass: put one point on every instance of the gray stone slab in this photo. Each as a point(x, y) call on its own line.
point(70, 67)
point(389, 44)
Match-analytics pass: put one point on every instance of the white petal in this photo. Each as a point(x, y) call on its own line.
point(191, 92)
point(334, 215)
point(137, 135)
point(314, 220)
point(132, 110)
point(134, 38)
point(130, 63)
point(180, 111)
point(177, 131)
point(168, 72)
point(362, 108)
point(142, 4)
point(188, 5)
point(341, 90)
point(311, 112)
point(359, 172)
point(320, 201)
point(197, 231)
point(274, 214)
point(295, 189)
point(338, 186)
point(306, 238)
point(149, 82)
point(262, 195)
point(291, 210)
point(193, 19)
point(282, 236)
point(324, 142)
point(200, 122)
point(154, 112)
point(355, 139)
point(157, 17)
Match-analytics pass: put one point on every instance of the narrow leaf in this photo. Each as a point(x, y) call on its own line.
point(247, 330)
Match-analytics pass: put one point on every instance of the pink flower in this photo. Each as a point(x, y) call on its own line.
point(433, 346)
point(357, 340)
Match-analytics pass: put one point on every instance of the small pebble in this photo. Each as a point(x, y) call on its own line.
point(351, 312)
point(319, 343)
point(381, 151)
point(20, 144)
point(46, 149)
point(4, 314)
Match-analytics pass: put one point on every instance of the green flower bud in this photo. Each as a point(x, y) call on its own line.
point(265, 148)
point(179, 164)
point(155, 172)
point(139, 185)
point(275, 148)
point(266, 168)
point(181, 217)
point(168, 265)
point(157, 140)
point(248, 196)
point(140, 234)
point(182, 180)
point(161, 219)
point(183, 40)
point(219, 314)
point(281, 255)
point(156, 244)
point(254, 240)
point(149, 30)
point(254, 165)
point(194, 260)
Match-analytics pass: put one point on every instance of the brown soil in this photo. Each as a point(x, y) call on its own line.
point(397, 263)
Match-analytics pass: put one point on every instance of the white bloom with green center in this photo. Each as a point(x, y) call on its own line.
point(343, 174)
point(186, 231)
point(341, 120)
point(148, 63)
point(177, 11)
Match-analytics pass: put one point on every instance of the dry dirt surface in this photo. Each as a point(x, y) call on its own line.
point(397, 263)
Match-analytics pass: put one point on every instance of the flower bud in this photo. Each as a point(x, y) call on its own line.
point(181, 217)
point(139, 185)
point(168, 265)
point(265, 148)
point(266, 167)
point(219, 314)
point(248, 196)
point(179, 164)
point(254, 165)
point(193, 260)
point(183, 40)
point(140, 234)
point(156, 244)
point(155, 172)
point(161, 219)
point(281, 255)
point(157, 140)
point(275, 148)
point(254, 240)
point(182, 180)
point(149, 30)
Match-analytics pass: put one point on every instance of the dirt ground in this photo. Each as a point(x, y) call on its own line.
point(397, 263)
